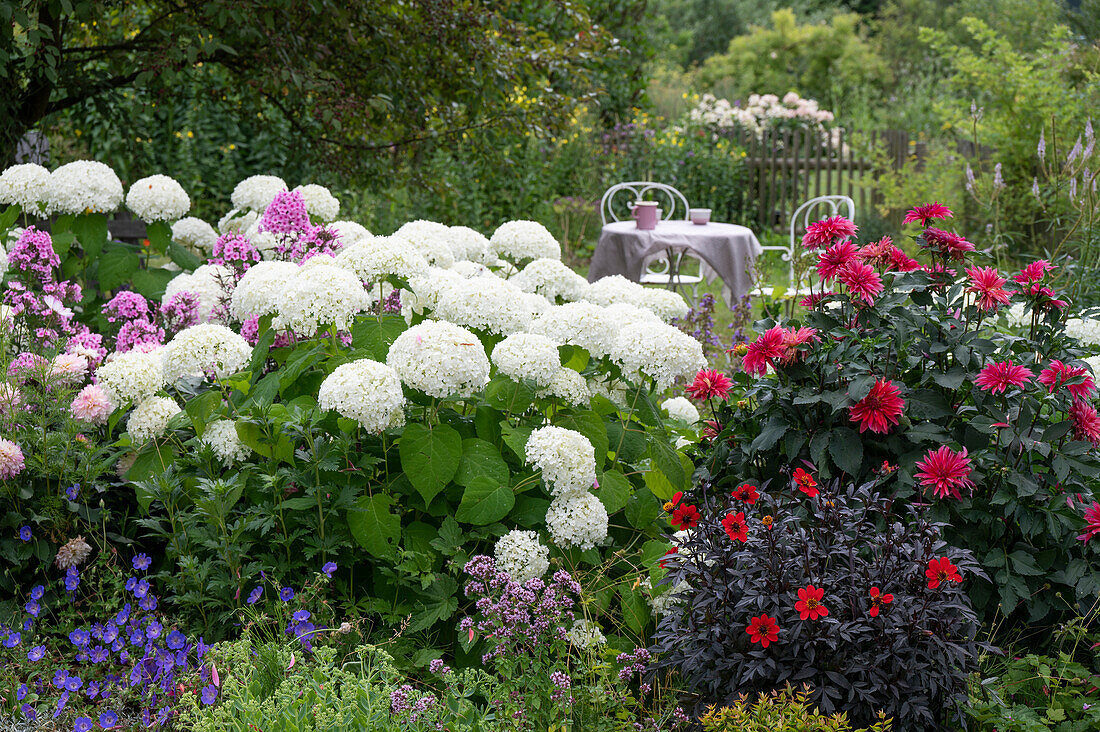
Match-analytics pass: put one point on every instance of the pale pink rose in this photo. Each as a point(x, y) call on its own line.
point(91, 405)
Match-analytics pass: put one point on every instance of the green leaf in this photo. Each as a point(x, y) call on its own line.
point(152, 460)
point(516, 439)
point(846, 449)
point(151, 282)
point(117, 266)
point(91, 232)
point(635, 609)
point(667, 460)
point(430, 456)
point(772, 430)
point(627, 442)
point(373, 526)
point(614, 491)
point(440, 603)
point(642, 509)
point(377, 335)
point(201, 407)
point(480, 459)
point(184, 258)
point(508, 396)
point(485, 500)
point(159, 234)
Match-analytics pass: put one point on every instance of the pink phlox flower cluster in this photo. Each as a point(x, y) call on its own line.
point(126, 305)
point(313, 241)
point(181, 311)
point(236, 251)
point(137, 333)
point(33, 255)
point(89, 345)
point(286, 214)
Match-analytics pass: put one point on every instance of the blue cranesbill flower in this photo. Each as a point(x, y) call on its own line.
point(79, 637)
point(72, 579)
point(29, 712)
point(301, 615)
point(61, 702)
point(201, 648)
point(108, 719)
point(73, 683)
point(12, 640)
point(329, 568)
point(148, 603)
point(21, 692)
point(176, 640)
point(131, 583)
point(254, 596)
point(141, 589)
point(123, 615)
point(72, 492)
point(83, 724)
point(209, 694)
point(92, 689)
point(153, 629)
point(286, 594)
point(37, 592)
point(110, 632)
point(142, 562)
point(98, 654)
point(60, 676)
point(36, 654)
point(25, 533)
point(32, 608)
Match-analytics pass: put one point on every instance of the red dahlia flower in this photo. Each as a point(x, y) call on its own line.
point(1046, 298)
point(1092, 522)
point(825, 232)
point(861, 280)
point(946, 471)
point(1086, 422)
point(764, 352)
point(813, 299)
point(709, 383)
point(877, 253)
point(673, 502)
point(941, 570)
point(763, 630)
point(670, 552)
point(1033, 272)
point(999, 375)
point(685, 517)
point(809, 604)
point(927, 212)
point(988, 285)
point(735, 526)
point(1058, 374)
point(746, 493)
point(880, 409)
point(878, 600)
point(805, 482)
point(901, 262)
point(794, 339)
point(833, 259)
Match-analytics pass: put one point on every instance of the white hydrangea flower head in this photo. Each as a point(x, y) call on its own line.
point(1086, 330)
point(528, 356)
point(577, 519)
point(518, 241)
point(205, 348)
point(221, 436)
point(368, 392)
point(237, 221)
point(425, 290)
point(377, 257)
point(257, 294)
point(349, 232)
point(3, 271)
point(487, 303)
point(520, 554)
point(565, 457)
point(585, 635)
point(680, 408)
point(194, 233)
point(622, 314)
point(212, 283)
point(132, 376)
point(318, 260)
point(320, 295)
point(150, 418)
point(440, 359)
point(321, 205)
point(257, 192)
point(1093, 362)
point(666, 304)
point(569, 386)
point(429, 238)
point(158, 198)
point(616, 289)
point(581, 324)
point(84, 186)
point(659, 351)
point(28, 186)
point(469, 270)
point(551, 279)
point(468, 244)
point(1018, 315)
point(666, 601)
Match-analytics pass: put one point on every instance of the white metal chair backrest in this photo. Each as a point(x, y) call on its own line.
point(813, 210)
point(670, 199)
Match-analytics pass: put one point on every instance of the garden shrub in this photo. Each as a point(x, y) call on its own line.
point(910, 366)
point(779, 711)
point(834, 586)
point(1036, 694)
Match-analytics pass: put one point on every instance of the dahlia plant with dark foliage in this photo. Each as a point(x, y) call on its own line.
point(962, 377)
point(837, 587)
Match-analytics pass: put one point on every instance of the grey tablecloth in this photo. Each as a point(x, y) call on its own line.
point(726, 250)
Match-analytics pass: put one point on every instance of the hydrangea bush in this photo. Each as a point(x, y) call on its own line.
point(908, 365)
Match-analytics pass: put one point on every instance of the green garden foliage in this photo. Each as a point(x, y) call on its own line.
point(779, 711)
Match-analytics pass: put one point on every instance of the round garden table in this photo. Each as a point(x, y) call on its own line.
point(726, 251)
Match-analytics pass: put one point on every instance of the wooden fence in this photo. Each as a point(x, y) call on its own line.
point(787, 168)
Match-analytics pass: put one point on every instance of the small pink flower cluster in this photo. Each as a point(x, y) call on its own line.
point(33, 255)
point(235, 251)
point(286, 214)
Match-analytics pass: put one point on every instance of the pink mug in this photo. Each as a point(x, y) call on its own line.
point(645, 214)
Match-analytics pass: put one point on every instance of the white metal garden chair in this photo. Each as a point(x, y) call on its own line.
point(665, 269)
point(813, 210)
